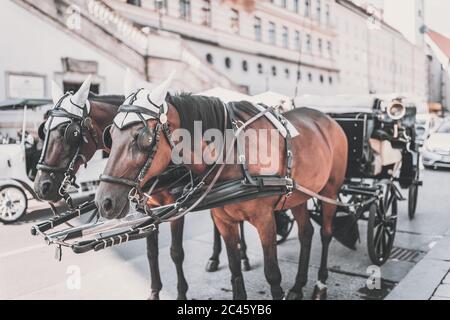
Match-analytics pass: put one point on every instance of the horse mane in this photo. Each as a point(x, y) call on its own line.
point(115, 100)
point(208, 110)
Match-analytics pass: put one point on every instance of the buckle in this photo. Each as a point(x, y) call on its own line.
point(289, 186)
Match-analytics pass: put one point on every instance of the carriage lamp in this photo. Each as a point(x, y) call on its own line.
point(396, 110)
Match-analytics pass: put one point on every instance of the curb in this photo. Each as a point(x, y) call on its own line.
point(423, 280)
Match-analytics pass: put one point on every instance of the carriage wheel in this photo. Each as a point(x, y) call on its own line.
point(381, 227)
point(413, 194)
point(13, 203)
point(285, 223)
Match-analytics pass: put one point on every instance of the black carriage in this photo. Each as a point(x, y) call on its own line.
point(383, 158)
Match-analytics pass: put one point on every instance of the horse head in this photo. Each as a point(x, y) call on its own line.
point(140, 149)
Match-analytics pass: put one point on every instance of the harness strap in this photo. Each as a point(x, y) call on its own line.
point(240, 152)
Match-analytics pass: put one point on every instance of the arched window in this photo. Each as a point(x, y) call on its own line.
point(299, 76)
point(260, 68)
point(321, 78)
point(287, 73)
point(209, 58)
point(310, 77)
point(330, 80)
point(274, 71)
point(227, 62)
point(245, 65)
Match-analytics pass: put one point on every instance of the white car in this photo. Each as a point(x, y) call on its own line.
point(436, 151)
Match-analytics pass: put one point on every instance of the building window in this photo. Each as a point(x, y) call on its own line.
point(245, 65)
point(260, 68)
point(287, 73)
point(258, 29)
point(320, 46)
point(274, 71)
point(296, 6)
point(136, 3)
point(297, 41)
point(319, 10)
point(185, 9)
point(272, 33)
point(329, 49)
point(209, 58)
point(228, 63)
point(285, 37)
point(321, 78)
point(299, 76)
point(206, 10)
point(235, 24)
point(307, 8)
point(327, 14)
point(330, 80)
point(161, 6)
point(308, 43)
point(284, 4)
point(310, 78)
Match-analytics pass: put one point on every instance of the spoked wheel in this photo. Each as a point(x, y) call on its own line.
point(413, 194)
point(381, 227)
point(285, 223)
point(13, 204)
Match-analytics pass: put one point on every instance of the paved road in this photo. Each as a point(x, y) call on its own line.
point(28, 269)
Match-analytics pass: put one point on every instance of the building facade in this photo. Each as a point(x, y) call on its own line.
point(260, 45)
point(438, 68)
point(374, 57)
point(293, 47)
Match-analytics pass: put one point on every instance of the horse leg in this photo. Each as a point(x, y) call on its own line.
point(305, 235)
point(243, 249)
point(152, 256)
point(213, 262)
point(177, 254)
point(326, 234)
point(265, 224)
point(230, 234)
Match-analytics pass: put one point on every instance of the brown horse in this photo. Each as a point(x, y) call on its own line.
point(59, 153)
point(319, 164)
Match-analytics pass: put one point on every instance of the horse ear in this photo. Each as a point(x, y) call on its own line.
point(159, 94)
point(82, 94)
point(57, 92)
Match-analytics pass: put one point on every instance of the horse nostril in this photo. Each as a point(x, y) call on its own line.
point(107, 204)
point(45, 187)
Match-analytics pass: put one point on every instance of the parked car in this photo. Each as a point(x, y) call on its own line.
point(436, 151)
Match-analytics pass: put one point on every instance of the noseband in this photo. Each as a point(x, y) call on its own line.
point(147, 142)
point(74, 136)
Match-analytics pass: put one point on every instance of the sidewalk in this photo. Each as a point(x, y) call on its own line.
point(430, 278)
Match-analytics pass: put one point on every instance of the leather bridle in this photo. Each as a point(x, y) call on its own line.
point(75, 137)
point(151, 137)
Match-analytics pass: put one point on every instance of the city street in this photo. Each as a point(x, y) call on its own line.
point(28, 269)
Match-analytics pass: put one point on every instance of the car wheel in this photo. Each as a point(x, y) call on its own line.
point(13, 203)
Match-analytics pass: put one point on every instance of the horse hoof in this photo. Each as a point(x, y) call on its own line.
point(182, 297)
point(154, 296)
point(245, 265)
point(277, 294)
point(292, 295)
point(319, 293)
point(212, 265)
